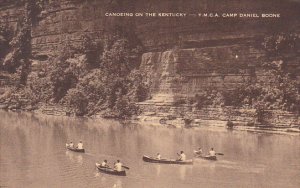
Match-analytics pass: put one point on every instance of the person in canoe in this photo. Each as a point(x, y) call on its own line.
point(182, 156)
point(71, 145)
point(104, 164)
point(199, 151)
point(118, 166)
point(80, 145)
point(212, 152)
point(158, 156)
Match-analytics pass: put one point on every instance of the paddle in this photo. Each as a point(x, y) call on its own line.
point(219, 153)
point(126, 167)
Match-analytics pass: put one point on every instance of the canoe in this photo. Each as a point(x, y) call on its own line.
point(74, 149)
point(212, 158)
point(111, 171)
point(166, 161)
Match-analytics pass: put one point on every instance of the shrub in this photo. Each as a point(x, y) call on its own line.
point(76, 99)
point(5, 38)
point(62, 79)
point(209, 97)
point(280, 43)
point(138, 91)
point(92, 50)
point(41, 87)
point(124, 108)
point(229, 124)
point(21, 49)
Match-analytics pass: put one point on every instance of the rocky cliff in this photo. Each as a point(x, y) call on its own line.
point(183, 56)
point(68, 20)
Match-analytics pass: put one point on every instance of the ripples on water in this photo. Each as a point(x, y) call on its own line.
point(33, 154)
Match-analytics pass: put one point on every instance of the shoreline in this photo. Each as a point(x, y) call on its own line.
point(178, 123)
point(220, 125)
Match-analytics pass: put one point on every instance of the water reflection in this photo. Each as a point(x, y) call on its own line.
point(158, 167)
point(79, 159)
point(75, 157)
point(182, 172)
point(70, 155)
point(187, 173)
point(118, 184)
point(36, 145)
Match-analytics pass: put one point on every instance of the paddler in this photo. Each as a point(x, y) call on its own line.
point(199, 151)
point(182, 156)
point(212, 152)
point(118, 166)
point(80, 145)
point(71, 145)
point(158, 156)
point(104, 164)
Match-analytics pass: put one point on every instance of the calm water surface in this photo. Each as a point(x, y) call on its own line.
point(33, 154)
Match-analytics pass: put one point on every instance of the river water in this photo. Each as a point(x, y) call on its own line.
point(33, 154)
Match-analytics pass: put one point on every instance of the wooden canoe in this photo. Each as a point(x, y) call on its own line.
point(166, 161)
point(74, 149)
point(212, 158)
point(110, 171)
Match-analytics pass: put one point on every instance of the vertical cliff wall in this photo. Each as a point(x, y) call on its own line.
point(68, 21)
point(10, 14)
point(182, 55)
point(193, 54)
point(185, 72)
point(167, 32)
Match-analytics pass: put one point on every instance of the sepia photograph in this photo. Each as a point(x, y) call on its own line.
point(149, 93)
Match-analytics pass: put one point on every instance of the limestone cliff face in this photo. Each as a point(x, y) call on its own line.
point(183, 55)
point(185, 72)
point(195, 54)
point(10, 14)
point(164, 33)
point(68, 20)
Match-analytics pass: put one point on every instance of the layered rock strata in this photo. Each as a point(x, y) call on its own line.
point(183, 55)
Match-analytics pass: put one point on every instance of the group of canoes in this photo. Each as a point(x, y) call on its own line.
point(103, 167)
point(118, 168)
point(182, 157)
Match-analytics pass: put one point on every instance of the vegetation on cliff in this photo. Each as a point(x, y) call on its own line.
point(109, 82)
point(103, 76)
point(279, 92)
point(90, 78)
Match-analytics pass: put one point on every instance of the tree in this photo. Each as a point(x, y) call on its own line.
point(77, 99)
point(280, 44)
point(92, 50)
point(283, 91)
point(5, 38)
